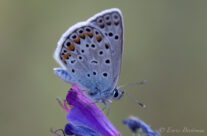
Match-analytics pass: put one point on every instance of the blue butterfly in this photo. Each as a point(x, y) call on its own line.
point(90, 55)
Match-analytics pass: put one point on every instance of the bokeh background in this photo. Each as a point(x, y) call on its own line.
point(165, 43)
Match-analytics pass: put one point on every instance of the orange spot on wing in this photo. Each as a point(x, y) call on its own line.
point(116, 23)
point(82, 36)
point(101, 26)
point(77, 41)
point(98, 38)
point(90, 34)
point(66, 56)
point(71, 47)
point(109, 23)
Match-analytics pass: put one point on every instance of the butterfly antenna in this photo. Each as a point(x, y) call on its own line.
point(135, 100)
point(134, 83)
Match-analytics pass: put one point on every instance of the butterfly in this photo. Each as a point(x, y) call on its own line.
point(90, 55)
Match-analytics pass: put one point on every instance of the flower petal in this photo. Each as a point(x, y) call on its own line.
point(135, 124)
point(85, 113)
point(79, 130)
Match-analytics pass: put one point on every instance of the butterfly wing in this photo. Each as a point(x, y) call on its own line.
point(90, 56)
point(110, 22)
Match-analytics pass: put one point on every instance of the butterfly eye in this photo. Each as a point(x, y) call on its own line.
point(116, 94)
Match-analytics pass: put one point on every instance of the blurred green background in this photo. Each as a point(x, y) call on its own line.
point(165, 43)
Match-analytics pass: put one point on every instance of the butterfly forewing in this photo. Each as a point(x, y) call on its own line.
point(110, 22)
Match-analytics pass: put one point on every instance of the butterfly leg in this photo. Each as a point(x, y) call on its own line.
point(105, 105)
point(110, 102)
point(90, 104)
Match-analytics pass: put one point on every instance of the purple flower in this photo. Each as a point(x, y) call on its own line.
point(84, 117)
point(79, 130)
point(135, 125)
point(71, 129)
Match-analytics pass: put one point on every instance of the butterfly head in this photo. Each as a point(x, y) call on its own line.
point(117, 94)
